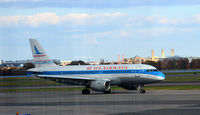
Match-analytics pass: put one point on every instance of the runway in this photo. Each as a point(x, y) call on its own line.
point(173, 102)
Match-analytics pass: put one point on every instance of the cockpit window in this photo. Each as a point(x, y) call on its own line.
point(152, 70)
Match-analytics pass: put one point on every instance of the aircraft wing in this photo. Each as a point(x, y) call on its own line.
point(66, 77)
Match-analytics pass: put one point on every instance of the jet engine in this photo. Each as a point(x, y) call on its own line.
point(100, 85)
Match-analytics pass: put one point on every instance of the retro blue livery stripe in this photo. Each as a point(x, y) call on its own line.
point(157, 73)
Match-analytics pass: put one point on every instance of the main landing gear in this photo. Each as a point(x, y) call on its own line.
point(106, 92)
point(142, 89)
point(86, 91)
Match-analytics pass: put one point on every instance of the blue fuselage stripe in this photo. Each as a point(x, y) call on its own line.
point(157, 73)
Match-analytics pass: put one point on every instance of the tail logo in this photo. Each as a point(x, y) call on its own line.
point(36, 50)
point(38, 53)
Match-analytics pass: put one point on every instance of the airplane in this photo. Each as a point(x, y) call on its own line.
point(98, 78)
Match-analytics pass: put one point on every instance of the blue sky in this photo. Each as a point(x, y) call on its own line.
point(95, 29)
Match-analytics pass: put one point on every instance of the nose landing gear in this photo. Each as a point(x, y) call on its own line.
point(142, 88)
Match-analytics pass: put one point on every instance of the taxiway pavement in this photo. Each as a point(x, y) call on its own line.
point(158, 102)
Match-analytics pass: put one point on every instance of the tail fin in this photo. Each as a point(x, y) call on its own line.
point(40, 57)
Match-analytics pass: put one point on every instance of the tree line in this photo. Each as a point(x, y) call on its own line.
point(182, 63)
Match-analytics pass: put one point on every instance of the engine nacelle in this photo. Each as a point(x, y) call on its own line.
point(131, 87)
point(100, 85)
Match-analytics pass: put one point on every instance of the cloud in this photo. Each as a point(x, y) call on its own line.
point(163, 31)
point(123, 34)
point(11, 1)
point(83, 57)
point(92, 41)
point(102, 25)
point(43, 18)
point(50, 18)
point(95, 4)
point(10, 20)
point(135, 33)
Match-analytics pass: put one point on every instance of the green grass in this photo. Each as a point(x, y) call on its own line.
point(42, 89)
point(25, 81)
point(19, 78)
point(174, 87)
point(34, 81)
point(51, 89)
point(183, 78)
point(178, 73)
point(29, 83)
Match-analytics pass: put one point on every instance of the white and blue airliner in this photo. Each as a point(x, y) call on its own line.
point(96, 77)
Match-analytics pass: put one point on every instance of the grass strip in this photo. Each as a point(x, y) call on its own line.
point(175, 87)
point(178, 73)
point(19, 78)
point(42, 82)
point(42, 89)
point(35, 81)
point(182, 79)
point(52, 89)
point(29, 83)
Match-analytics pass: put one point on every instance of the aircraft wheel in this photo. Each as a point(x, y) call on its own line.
point(142, 91)
point(85, 91)
point(106, 92)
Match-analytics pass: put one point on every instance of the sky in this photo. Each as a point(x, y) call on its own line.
point(90, 30)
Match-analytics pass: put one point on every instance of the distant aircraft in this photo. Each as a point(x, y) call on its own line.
point(96, 77)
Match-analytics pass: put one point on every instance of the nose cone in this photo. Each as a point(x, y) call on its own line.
point(161, 76)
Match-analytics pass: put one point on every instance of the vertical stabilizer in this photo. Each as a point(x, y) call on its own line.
point(40, 57)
